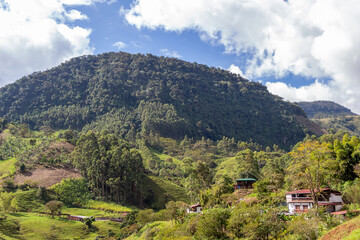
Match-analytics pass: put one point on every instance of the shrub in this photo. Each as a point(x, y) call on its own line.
point(73, 192)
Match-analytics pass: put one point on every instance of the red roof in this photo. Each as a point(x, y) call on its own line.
point(196, 205)
point(339, 213)
point(305, 191)
point(330, 204)
point(343, 212)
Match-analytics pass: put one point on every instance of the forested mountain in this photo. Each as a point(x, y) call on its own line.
point(128, 94)
point(324, 109)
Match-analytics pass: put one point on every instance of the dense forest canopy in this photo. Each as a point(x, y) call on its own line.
point(128, 94)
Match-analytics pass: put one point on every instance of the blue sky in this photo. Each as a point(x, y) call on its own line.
point(109, 26)
point(301, 50)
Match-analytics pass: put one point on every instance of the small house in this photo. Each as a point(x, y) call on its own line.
point(300, 201)
point(244, 183)
point(78, 218)
point(195, 209)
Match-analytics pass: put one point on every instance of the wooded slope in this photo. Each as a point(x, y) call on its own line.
point(128, 93)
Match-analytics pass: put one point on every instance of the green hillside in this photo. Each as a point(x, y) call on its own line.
point(128, 94)
point(163, 191)
point(349, 124)
point(7, 167)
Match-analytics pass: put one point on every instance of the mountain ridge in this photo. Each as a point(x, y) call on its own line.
point(324, 109)
point(144, 93)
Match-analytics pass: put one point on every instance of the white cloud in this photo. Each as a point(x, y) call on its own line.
point(34, 35)
point(170, 53)
point(74, 15)
point(235, 69)
point(313, 38)
point(119, 45)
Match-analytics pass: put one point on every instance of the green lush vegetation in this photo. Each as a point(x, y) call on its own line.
point(7, 167)
point(163, 176)
point(130, 94)
point(33, 226)
point(150, 136)
point(349, 124)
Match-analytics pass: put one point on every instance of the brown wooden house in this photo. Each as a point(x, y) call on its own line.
point(244, 183)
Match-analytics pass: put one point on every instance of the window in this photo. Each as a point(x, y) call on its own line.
point(305, 207)
point(297, 207)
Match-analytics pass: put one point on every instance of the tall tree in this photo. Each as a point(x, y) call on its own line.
point(312, 167)
point(114, 170)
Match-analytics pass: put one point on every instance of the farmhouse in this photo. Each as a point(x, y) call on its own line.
point(78, 218)
point(300, 201)
point(195, 209)
point(244, 183)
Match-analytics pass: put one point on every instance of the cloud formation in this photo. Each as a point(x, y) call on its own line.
point(170, 53)
point(34, 35)
point(312, 38)
point(235, 69)
point(120, 45)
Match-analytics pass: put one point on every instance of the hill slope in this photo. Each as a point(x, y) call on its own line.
point(349, 124)
point(129, 93)
point(330, 115)
point(348, 230)
point(324, 109)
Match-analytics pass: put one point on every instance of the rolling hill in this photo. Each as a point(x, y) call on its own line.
point(330, 115)
point(324, 109)
point(128, 94)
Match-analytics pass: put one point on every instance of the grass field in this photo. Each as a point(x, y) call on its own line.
point(149, 230)
point(7, 167)
point(35, 226)
point(165, 191)
point(164, 157)
point(105, 206)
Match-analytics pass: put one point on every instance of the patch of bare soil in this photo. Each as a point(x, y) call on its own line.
point(46, 177)
point(64, 146)
point(342, 231)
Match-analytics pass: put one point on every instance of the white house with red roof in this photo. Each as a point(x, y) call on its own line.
point(300, 201)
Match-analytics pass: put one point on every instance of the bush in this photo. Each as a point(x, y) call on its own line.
point(22, 168)
point(212, 224)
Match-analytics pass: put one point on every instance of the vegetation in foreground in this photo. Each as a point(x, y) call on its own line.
point(162, 176)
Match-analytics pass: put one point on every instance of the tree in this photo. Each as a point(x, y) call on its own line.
point(312, 167)
point(113, 169)
point(255, 222)
point(47, 130)
point(248, 165)
point(73, 192)
point(177, 211)
point(53, 207)
point(88, 222)
point(348, 155)
point(212, 224)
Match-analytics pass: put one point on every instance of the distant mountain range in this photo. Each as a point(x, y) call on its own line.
point(330, 115)
point(324, 109)
point(132, 94)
